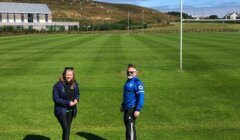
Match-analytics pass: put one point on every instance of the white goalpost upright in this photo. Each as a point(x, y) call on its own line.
point(181, 33)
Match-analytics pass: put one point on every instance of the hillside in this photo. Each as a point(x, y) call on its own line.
point(98, 12)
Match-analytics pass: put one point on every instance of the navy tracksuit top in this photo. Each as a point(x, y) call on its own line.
point(133, 94)
point(61, 101)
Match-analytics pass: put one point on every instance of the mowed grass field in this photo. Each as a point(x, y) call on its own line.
point(200, 102)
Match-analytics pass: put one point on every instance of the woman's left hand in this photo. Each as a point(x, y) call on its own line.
point(75, 101)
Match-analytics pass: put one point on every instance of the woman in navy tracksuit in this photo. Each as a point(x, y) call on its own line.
point(66, 97)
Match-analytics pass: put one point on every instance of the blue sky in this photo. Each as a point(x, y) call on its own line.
point(193, 7)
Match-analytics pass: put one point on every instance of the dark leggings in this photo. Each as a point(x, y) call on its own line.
point(129, 121)
point(66, 122)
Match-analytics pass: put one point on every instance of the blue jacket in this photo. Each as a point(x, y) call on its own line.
point(60, 99)
point(133, 94)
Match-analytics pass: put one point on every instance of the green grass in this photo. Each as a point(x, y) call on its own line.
point(200, 102)
point(207, 26)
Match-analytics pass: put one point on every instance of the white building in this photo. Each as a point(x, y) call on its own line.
point(232, 16)
point(29, 16)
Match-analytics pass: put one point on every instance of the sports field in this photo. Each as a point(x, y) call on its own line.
point(200, 102)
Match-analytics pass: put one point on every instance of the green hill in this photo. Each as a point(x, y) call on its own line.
point(99, 12)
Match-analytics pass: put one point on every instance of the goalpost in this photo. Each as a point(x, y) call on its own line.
point(181, 32)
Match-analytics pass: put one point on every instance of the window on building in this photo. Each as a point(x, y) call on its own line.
point(0, 17)
point(22, 17)
point(14, 17)
point(38, 18)
point(46, 17)
point(30, 18)
point(30, 27)
point(7, 17)
point(19, 28)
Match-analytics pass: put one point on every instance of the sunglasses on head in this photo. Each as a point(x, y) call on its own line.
point(68, 68)
point(130, 72)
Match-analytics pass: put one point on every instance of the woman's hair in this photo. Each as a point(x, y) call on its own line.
point(63, 76)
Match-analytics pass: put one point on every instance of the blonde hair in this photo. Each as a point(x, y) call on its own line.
point(63, 77)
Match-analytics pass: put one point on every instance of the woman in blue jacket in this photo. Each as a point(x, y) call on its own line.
point(66, 97)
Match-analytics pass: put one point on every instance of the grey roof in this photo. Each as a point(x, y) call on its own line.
point(9, 7)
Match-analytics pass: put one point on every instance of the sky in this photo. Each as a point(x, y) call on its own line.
point(194, 7)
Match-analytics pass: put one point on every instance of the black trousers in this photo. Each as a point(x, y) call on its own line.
point(129, 121)
point(66, 122)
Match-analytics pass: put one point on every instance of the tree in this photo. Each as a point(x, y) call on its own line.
point(213, 17)
point(185, 15)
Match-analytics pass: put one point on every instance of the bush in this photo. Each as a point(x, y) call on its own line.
point(7, 28)
point(121, 25)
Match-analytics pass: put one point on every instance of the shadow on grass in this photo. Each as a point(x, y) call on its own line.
point(89, 136)
point(35, 137)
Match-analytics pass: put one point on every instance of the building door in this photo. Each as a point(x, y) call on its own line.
point(30, 17)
